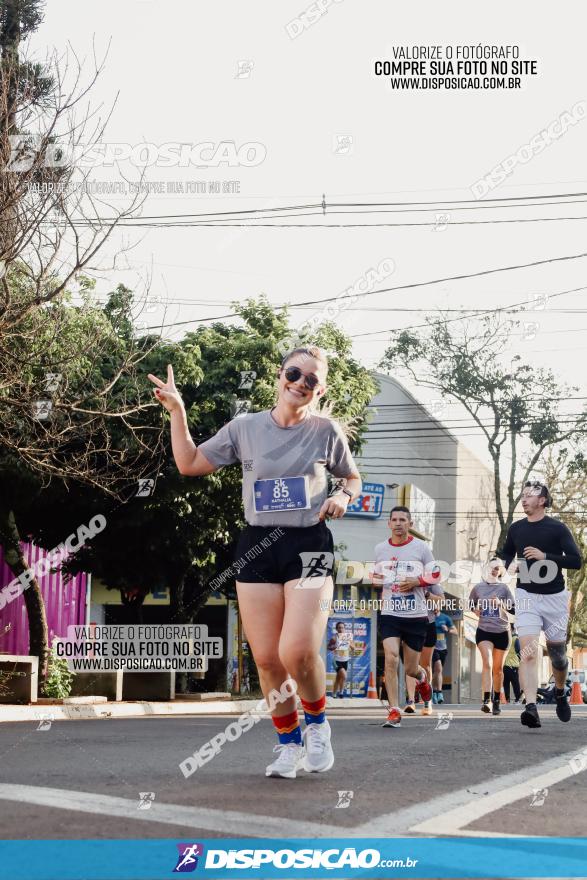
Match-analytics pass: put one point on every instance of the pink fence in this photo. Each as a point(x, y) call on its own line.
point(65, 603)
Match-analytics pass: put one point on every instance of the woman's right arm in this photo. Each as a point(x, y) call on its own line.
point(188, 458)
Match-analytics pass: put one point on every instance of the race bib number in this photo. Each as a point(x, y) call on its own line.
point(490, 612)
point(283, 493)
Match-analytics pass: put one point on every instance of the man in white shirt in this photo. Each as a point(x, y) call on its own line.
point(405, 569)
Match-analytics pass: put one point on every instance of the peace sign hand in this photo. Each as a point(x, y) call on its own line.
point(166, 392)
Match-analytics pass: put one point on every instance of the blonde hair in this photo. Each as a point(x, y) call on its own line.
point(313, 351)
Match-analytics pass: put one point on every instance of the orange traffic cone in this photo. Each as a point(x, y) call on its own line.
point(502, 698)
point(576, 695)
point(371, 693)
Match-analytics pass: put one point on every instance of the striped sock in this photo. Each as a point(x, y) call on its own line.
point(288, 728)
point(315, 713)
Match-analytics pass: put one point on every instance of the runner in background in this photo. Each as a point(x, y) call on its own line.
point(404, 568)
point(341, 645)
point(490, 600)
point(444, 626)
point(543, 546)
point(426, 653)
point(511, 668)
point(285, 553)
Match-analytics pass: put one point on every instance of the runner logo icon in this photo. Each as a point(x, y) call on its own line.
point(316, 567)
point(188, 857)
point(539, 796)
point(344, 800)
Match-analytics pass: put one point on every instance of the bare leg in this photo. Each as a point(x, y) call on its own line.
point(410, 686)
point(339, 681)
point(262, 608)
point(560, 675)
point(529, 666)
point(486, 649)
point(304, 623)
point(426, 661)
point(498, 661)
point(437, 676)
point(391, 650)
point(412, 662)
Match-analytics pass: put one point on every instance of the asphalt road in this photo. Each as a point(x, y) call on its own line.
point(477, 775)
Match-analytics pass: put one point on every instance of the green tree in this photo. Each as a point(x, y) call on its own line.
point(73, 412)
point(565, 473)
point(516, 406)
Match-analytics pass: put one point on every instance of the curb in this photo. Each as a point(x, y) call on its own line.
point(140, 709)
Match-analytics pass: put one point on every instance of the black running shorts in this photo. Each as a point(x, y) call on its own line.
point(430, 639)
point(264, 556)
point(501, 640)
point(439, 655)
point(341, 664)
point(411, 630)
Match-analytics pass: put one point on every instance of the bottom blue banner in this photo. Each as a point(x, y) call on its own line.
point(472, 857)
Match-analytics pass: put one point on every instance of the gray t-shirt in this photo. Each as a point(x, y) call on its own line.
point(284, 469)
point(491, 619)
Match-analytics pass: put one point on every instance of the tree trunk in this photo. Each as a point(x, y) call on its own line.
point(33, 599)
point(9, 65)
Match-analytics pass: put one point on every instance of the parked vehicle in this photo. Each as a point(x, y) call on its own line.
point(546, 694)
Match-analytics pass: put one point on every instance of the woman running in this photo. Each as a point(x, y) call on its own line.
point(285, 553)
point(490, 600)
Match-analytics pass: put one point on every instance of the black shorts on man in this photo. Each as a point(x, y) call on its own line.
point(411, 630)
point(439, 655)
point(430, 640)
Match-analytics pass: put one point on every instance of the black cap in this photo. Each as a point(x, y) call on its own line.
point(543, 491)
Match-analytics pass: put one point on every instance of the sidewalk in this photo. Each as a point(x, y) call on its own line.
point(336, 708)
point(100, 709)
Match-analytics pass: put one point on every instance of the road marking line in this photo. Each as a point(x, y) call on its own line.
point(449, 813)
point(234, 823)
point(459, 818)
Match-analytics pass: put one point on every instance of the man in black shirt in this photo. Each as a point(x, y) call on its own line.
point(543, 546)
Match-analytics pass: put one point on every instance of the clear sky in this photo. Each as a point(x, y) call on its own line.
point(174, 67)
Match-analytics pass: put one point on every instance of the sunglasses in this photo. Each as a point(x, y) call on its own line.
point(292, 374)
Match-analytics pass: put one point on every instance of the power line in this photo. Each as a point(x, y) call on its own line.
point(478, 313)
point(453, 403)
point(411, 286)
point(504, 202)
point(322, 225)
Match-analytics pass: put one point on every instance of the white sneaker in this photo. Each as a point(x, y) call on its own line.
point(291, 759)
point(319, 754)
